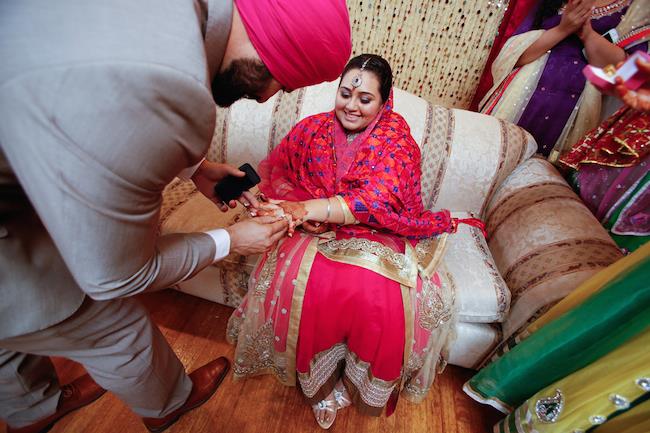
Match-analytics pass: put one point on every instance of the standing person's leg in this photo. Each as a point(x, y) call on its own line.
point(31, 400)
point(125, 353)
point(29, 388)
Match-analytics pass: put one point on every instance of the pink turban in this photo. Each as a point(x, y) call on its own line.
point(302, 42)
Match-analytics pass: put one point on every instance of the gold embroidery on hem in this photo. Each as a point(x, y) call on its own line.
point(373, 391)
point(321, 368)
point(263, 282)
point(296, 307)
point(257, 356)
point(233, 327)
point(409, 322)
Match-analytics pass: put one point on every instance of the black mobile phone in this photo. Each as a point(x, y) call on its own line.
point(231, 187)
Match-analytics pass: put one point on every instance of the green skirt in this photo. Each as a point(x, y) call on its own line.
point(603, 322)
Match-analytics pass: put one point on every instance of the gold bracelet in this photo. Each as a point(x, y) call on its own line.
point(329, 210)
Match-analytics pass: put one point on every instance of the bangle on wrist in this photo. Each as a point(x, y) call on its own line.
point(329, 211)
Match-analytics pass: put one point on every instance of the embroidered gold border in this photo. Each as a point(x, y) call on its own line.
point(409, 323)
point(401, 268)
point(314, 388)
point(296, 308)
point(430, 253)
point(354, 363)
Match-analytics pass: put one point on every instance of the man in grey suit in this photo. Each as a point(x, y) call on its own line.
point(101, 105)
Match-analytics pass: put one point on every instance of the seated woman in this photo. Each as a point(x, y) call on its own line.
point(351, 305)
point(538, 77)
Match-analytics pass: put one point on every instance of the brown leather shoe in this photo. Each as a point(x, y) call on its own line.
point(77, 394)
point(205, 382)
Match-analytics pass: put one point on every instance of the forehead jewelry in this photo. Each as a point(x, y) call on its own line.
point(357, 80)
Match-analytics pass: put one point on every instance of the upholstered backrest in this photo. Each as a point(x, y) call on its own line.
point(465, 155)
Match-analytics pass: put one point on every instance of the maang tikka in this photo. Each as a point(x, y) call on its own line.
point(358, 80)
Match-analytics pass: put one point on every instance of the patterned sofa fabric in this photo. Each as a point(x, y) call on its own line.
point(545, 242)
point(481, 153)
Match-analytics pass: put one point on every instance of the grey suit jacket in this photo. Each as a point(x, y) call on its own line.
point(102, 103)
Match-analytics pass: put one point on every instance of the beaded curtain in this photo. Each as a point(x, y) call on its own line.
point(437, 48)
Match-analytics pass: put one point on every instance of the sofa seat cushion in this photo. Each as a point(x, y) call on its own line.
point(481, 294)
point(473, 341)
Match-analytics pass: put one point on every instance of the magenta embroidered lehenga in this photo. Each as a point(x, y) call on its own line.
point(362, 302)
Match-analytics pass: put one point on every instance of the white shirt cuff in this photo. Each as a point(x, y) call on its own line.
point(221, 240)
point(187, 173)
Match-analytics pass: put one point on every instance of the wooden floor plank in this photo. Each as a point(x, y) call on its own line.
point(196, 330)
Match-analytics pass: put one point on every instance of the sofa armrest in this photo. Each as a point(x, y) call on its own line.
point(544, 240)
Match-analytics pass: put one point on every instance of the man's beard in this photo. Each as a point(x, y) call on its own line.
point(242, 78)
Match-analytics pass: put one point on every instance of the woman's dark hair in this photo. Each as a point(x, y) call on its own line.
point(546, 9)
point(379, 66)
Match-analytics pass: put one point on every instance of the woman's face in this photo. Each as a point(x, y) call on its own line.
point(356, 107)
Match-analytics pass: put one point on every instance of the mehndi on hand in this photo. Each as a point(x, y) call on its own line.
point(292, 211)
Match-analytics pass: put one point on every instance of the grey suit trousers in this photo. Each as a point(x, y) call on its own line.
point(118, 345)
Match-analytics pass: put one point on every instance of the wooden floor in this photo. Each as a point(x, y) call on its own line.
point(195, 329)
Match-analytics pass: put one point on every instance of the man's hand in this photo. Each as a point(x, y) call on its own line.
point(256, 235)
point(639, 99)
point(209, 173)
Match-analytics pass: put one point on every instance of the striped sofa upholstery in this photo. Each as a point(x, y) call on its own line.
point(471, 165)
point(544, 241)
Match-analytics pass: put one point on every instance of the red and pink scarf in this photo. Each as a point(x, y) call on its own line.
point(377, 174)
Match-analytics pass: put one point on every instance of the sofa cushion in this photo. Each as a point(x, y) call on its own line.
point(481, 294)
point(472, 343)
point(544, 240)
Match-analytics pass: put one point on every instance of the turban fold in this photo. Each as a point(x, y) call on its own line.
point(302, 42)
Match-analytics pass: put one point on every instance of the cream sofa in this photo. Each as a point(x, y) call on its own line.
point(543, 240)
